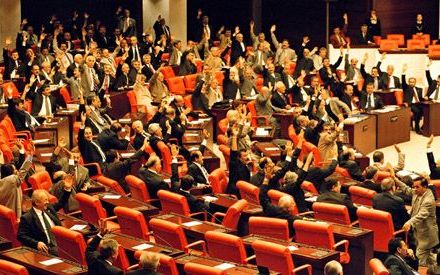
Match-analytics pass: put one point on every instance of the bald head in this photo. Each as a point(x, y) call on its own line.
point(286, 203)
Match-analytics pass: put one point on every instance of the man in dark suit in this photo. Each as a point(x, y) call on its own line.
point(433, 92)
point(368, 100)
point(238, 48)
point(388, 80)
point(387, 201)
point(13, 65)
point(270, 76)
point(238, 169)
point(196, 168)
point(135, 52)
point(364, 37)
point(434, 166)
point(395, 262)
point(374, 77)
point(348, 161)
point(160, 28)
point(126, 24)
point(102, 39)
point(412, 97)
point(148, 69)
point(90, 150)
point(279, 97)
point(328, 72)
point(150, 174)
point(140, 134)
point(317, 175)
point(334, 196)
point(175, 123)
point(370, 181)
point(300, 93)
point(43, 103)
point(21, 119)
point(101, 261)
point(187, 66)
point(113, 138)
point(195, 205)
point(34, 229)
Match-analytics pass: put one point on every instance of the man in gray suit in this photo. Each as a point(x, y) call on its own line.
point(264, 107)
point(353, 73)
point(283, 53)
point(331, 108)
point(423, 219)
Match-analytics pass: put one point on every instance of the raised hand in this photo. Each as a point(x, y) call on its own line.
point(404, 68)
point(273, 28)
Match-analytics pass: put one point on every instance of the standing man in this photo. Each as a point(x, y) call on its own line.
point(412, 97)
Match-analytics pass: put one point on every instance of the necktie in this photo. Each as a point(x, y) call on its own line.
point(106, 83)
point(389, 81)
point(92, 80)
point(49, 235)
point(376, 84)
point(368, 102)
point(416, 97)
point(16, 64)
point(47, 102)
point(99, 150)
point(205, 173)
point(436, 93)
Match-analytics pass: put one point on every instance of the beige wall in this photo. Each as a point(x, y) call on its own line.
point(174, 12)
point(10, 17)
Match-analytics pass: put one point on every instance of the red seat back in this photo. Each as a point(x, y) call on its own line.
point(276, 195)
point(9, 225)
point(137, 188)
point(167, 71)
point(114, 185)
point(218, 181)
point(226, 247)
point(11, 268)
point(41, 180)
point(169, 234)
point(198, 269)
point(233, 214)
point(132, 222)
point(361, 195)
point(173, 202)
point(377, 267)
point(275, 257)
point(381, 223)
point(176, 85)
point(273, 227)
point(190, 82)
point(166, 157)
point(400, 38)
point(71, 244)
point(91, 208)
point(330, 212)
point(318, 234)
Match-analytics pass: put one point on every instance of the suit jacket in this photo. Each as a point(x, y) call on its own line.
point(423, 217)
point(96, 264)
point(369, 184)
point(19, 117)
point(103, 41)
point(199, 100)
point(195, 171)
point(131, 29)
point(385, 78)
point(435, 171)
point(117, 170)
point(408, 92)
point(195, 205)
point(246, 87)
point(329, 79)
point(317, 175)
point(147, 72)
point(297, 95)
point(279, 100)
point(31, 231)
point(303, 64)
point(237, 171)
point(432, 84)
point(131, 55)
point(155, 182)
point(350, 70)
point(378, 103)
point(108, 139)
point(186, 68)
point(397, 266)
point(174, 57)
point(10, 193)
point(353, 169)
point(159, 30)
point(335, 41)
point(230, 89)
point(89, 152)
point(336, 105)
point(394, 205)
point(10, 66)
point(271, 78)
point(368, 77)
point(37, 102)
point(338, 198)
point(361, 39)
point(237, 51)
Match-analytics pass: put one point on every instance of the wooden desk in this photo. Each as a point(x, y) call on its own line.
point(54, 129)
point(305, 254)
point(196, 232)
point(431, 119)
point(120, 104)
point(360, 248)
point(31, 258)
point(392, 126)
point(285, 121)
point(5, 244)
point(269, 149)
point(203, 123)
point(110, 203)
point(72, 116)
point(69, 221)
point(362, 133)
point(210, 159)
point(128, 242)
point(208, 261)
point(192, 137)
point(264, 138)
point(387, 97)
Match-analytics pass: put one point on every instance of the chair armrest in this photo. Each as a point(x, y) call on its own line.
point(400, 231)
point(74, 213)
point(205, 215)
point(250, 258)
point(94, 169)
point(216, 215)
point(343, 242)
point(202, 243)
point(354, 223)
point(307, 213)
point(152, 200)
point(303, 267)
point(24, 133)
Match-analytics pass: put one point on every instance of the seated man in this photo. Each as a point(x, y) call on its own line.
point(331, 108)
point(279, 97)
point(348, 161)
point(90, 150)
point(368, 100)
point(334, 196)
point(196, 168)
point(43, 103)
point(333, 268)
point(34, 229)
point(101, 261)
point(396, 262)
point(391, 203)
point(370, 181)
point(140, 134)
point(379, 162)
point(150, 174)
point(113, 138)
point(238, 165)
point(434, 167)
point(22, 120)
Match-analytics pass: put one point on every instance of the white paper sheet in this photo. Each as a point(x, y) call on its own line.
point(111, 197)
point(78, 227)
point(190, 224)
point(224, 266)
point(51, 262)
point(142, 246)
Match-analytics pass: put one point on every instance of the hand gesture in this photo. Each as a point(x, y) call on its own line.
point(341, 50)
point(68, 182)
point(19, 144)
point(86, 15)
point(168, 125)
point(102, 228)
point(382, 57)
point(252, 24)
point(42, 36)
point(345, 17)
point(397, 148)
point(237, 29)
point(429, 63)
point(222, 28)
point(199, 13)
point(42, 247)
point(430, 140)
point(273, 28)
point(8, 41)
point(404, 68)
point(206, 134)
point(62, 142)
point(306, 39)
point(119, 10)
point(365, 58)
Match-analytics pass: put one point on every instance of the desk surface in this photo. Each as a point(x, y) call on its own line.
point(225, 202)
point(130, 243)
point(31, 259)
point(5, 244)
point(237, 269)
point(69, 221)
point(111, 200)
point(269, 149)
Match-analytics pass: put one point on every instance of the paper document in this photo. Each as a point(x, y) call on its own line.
point(142, 246)
point(51, 262)
point(224, 266)
point(78, 227)
point(190, 224)
point(112, 197)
